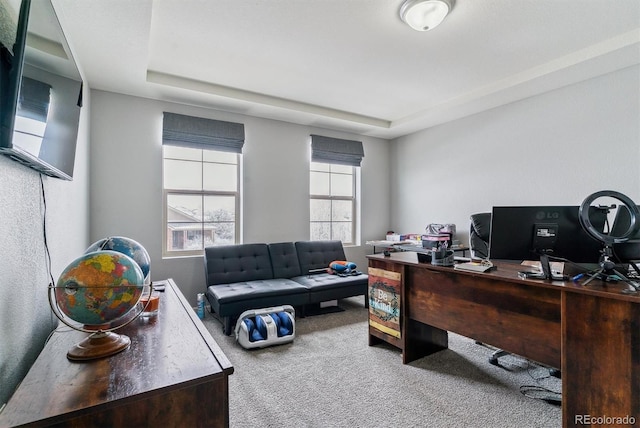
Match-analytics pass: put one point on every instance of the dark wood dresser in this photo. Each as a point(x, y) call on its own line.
point(173, 374)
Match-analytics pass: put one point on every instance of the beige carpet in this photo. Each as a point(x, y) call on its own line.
point(329, 377)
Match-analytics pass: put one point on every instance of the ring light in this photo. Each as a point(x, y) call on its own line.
point(607, 266)
point(608, 240)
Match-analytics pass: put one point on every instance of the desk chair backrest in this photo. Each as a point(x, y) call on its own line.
point(479, 231)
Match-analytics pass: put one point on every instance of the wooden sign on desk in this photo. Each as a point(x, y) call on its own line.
point(384, 301)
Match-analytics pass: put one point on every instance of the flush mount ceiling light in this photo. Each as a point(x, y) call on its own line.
point(425, 15)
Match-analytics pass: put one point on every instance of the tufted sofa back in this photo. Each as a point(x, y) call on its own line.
point(229, 264)
point(237, 263)
point(314, 255)
point(284, 260)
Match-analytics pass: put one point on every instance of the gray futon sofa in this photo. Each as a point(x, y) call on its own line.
point(254, 276)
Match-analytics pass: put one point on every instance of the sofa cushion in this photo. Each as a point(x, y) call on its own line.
point(315, 255)
point(323, 287)
point(227, 264)
point(327, 281)
point(226, 293)
point(284, 260)
point(230, 300)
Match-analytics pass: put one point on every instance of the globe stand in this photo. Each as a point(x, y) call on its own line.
point(103, 342)
point(98, 345)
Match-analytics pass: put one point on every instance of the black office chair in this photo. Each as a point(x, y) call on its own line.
point(479, 232)
point(629, 251)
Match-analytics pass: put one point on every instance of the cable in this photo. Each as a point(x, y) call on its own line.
point(538, 391)
point(46, 244)
point(44, 230)
point(541, 393)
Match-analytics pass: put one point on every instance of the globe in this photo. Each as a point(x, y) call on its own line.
point(99, 287)
point(127, 246)
point(96, 290)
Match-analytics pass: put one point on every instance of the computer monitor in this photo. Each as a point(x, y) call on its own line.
point(622, 222)
point(527, 232)
point(629, 250)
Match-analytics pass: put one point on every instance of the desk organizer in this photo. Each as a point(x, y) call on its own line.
point(259, 328)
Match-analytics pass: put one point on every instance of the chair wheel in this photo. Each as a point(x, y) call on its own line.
point(555, 373)
point(493, 359)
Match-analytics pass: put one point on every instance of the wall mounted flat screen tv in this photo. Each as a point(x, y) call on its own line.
point(40, 89)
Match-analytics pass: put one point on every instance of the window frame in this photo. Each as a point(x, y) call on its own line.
point(166, 192)
point(353, 198)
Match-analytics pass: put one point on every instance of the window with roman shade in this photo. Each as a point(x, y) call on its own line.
point(334, 168)
point(201, 183)
point(336, 151)
point(200, 133)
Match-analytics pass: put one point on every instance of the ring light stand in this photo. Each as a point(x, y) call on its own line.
point(607, 266)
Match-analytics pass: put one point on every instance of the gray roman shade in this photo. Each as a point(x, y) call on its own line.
point(200, 133)
point(335, 150)
point(34, 99)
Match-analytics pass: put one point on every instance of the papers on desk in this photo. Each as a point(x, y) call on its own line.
point(557, 268)
point(483, 266)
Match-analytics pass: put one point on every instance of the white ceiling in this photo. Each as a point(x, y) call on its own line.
point(349, 65)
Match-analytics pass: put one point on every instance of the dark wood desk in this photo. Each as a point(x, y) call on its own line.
point(173, 374)
point(592, 333)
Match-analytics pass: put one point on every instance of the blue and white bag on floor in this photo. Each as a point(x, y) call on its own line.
point(258, 328)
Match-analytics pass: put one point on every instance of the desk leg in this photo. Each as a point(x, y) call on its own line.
point(600, 359)
point(421, 340)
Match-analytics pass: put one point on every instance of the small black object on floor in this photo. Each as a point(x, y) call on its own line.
point(315, 309)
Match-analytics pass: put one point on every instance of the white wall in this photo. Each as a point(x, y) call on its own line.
point(126, 192)
point(25, 317)
point(555, 148)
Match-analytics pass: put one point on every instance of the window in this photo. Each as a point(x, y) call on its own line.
point(201, 196)
point(333, 188)
point(201, 184)
point(333, 202)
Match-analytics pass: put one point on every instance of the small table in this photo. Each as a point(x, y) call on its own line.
point(172, 374)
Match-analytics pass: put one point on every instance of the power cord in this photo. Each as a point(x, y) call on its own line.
point(46, 246)
point(538, 391)
point(541, 393)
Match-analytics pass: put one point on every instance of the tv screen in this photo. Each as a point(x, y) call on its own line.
point(41, 89)
point(524, 233)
